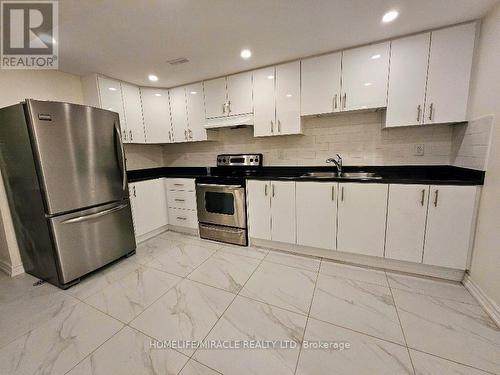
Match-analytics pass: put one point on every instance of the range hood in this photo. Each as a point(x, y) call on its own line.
point(229, 121)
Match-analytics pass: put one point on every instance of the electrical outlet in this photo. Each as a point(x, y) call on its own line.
point(419, 150)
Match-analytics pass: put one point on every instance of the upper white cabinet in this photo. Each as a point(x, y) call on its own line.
point(259, 209)
point(450, 64)
point(429, 77)
point(178, 109)
point(110, 92)
point(316, 204)
point(320, 84)
point(408, 76)
point(196, 112)
point(215, 97)
point(156, 111)
point(450, 228)
point(362, 218)
point(264, 115)
point(229, 96)
point(133, 113)
point(406, 217)
point(365, 72)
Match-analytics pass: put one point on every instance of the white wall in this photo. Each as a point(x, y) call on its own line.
point(485, 100)
point(16, 85)
point(359, 137)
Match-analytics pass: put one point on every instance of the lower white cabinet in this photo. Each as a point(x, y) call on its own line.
point(181, 202)
point(450, 222)
point(316, 205)
point(406, 218)
point(271, 210)
point(362, 211)
point(149, 206)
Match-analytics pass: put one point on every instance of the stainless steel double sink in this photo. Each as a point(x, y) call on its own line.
point(347, 175)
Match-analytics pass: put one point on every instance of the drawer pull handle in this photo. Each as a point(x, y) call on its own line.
point(179, 200)
point(436, 197)
point(423, 198)
point(181, 218)
point(178, 184)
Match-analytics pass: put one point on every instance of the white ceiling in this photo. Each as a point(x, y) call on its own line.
point(129, 39)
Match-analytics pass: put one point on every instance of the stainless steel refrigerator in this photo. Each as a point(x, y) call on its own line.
point(63, 167)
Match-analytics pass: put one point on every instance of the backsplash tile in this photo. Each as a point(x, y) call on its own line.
point(358, 137)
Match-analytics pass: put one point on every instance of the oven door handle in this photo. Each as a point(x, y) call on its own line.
point(221, 186)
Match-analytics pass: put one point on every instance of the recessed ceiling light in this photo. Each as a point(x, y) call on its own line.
point(288, 95)
point(368, 83)
point(153, 78)
point(270, 77)
point(375, 57)
point(246, 53)
point(194, 92)
point(112, 88)
point(157, 94)
point(390, 16)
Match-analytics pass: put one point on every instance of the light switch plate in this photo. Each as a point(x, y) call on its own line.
point(419, 149)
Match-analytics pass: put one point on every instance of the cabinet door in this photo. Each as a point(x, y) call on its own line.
point(150, 205)
point(407, 80)
point(283, 211)
point(179, 114)
point(320, 84)
point(110, 93)
point(156, 110)
point(264, 102)
point(215, 97)
point(450, 63)
point(317, 214)
point(196, 112)
point(406, 215)
point(362, 218)
point(365, 72)
point(239, 93)
point(133, 113)
point(449, 226)
point(288, 98)
point(259, 209)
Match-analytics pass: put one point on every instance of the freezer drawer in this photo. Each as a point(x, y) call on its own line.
point(89, 239)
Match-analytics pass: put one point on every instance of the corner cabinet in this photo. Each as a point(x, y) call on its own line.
point(149, 206)
point(156, 111)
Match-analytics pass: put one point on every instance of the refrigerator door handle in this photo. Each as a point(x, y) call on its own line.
point(94, 215)
point(124, 171)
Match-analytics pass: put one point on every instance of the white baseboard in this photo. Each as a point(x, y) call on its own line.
point(147, 236)
point(10, 270)
point(185, 230)
point(490, 306)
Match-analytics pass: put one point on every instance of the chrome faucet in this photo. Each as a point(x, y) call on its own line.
point(337, 162)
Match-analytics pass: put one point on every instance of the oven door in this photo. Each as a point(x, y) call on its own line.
point(221, 204)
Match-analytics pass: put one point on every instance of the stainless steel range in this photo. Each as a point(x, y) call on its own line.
point(221, 198)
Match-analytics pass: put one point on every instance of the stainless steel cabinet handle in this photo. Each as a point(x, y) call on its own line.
point(135, 193)
point(169, 136)
point(436, 197)
point(94, 215)
point(131, 135)
point(228, 106)
point(181, 218)
point(342, 194)
point(419, 110)
point(179, 200)
point(423, 197)
point(190, 133)
point(272, 189)
point(265, 190)
point(124, 135)
point(279, 126)
point(178, 184)
point(345, 100)
point(186, 134)
point(335, 101)
point(431, 111)
point(272, 126)
point(333, 192)
point(224, 108)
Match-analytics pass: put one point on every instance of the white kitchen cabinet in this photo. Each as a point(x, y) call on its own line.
point(320, 84)
point(156, 111)
point(316, 205)
point(110, 95)
point(450, 222)
point(133, 113)
point(215, 97)
point(264, 115)
point(178, 109)
point(196, 112)
point(407, 81)
point(259, 209)
point(362, 211)
point(239, 93)
point(450, 64)
point(149, 205)
point(288, 99)
point(283, 211)
point(406, 218)
point(365, 71)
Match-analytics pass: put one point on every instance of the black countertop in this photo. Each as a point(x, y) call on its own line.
point(431, 175)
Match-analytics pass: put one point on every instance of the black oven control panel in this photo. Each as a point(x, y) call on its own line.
point(239, 160)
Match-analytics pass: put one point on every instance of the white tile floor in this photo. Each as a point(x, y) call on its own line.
point(179, 287)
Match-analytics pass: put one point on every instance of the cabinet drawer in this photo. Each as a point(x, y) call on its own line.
point(185, 184)
point(181, 199)
point(182, 218)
